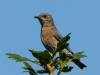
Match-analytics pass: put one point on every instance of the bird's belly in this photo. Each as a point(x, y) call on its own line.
point(49, 44)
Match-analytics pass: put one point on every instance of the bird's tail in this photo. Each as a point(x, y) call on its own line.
point(79, 63)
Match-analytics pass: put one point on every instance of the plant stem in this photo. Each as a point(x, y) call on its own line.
point(51, 73)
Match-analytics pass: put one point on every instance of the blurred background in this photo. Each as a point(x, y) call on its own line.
point(19, 31)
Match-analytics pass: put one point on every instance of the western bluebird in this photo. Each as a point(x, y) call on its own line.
point(50, 36)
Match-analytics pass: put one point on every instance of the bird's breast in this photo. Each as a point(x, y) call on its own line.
point(49, 42)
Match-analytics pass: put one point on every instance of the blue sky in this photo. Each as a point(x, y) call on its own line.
point(19, 31)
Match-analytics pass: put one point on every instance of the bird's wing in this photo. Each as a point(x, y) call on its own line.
point(58, 36)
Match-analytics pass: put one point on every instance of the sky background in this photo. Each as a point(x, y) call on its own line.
point(19, 31)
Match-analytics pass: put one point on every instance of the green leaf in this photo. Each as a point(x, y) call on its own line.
point(36, 62)
point(67, 69)
point(27, 65)
point(43, 57)
point(79, 55)
point(31, 73)
point(41, 71)
point(29, 69)
point(63, 61)
point(64, 40)
point(61, 47)
point(62, 44)
point(17, 57)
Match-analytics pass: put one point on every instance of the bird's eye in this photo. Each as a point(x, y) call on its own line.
point(44, 16)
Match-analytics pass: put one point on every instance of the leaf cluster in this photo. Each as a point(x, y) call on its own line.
point(45, 59)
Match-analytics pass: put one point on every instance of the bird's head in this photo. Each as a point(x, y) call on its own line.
point(45, 19)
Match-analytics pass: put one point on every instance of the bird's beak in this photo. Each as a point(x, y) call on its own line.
point(36, 17)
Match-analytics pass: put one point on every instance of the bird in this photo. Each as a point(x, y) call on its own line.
point(50, 36)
